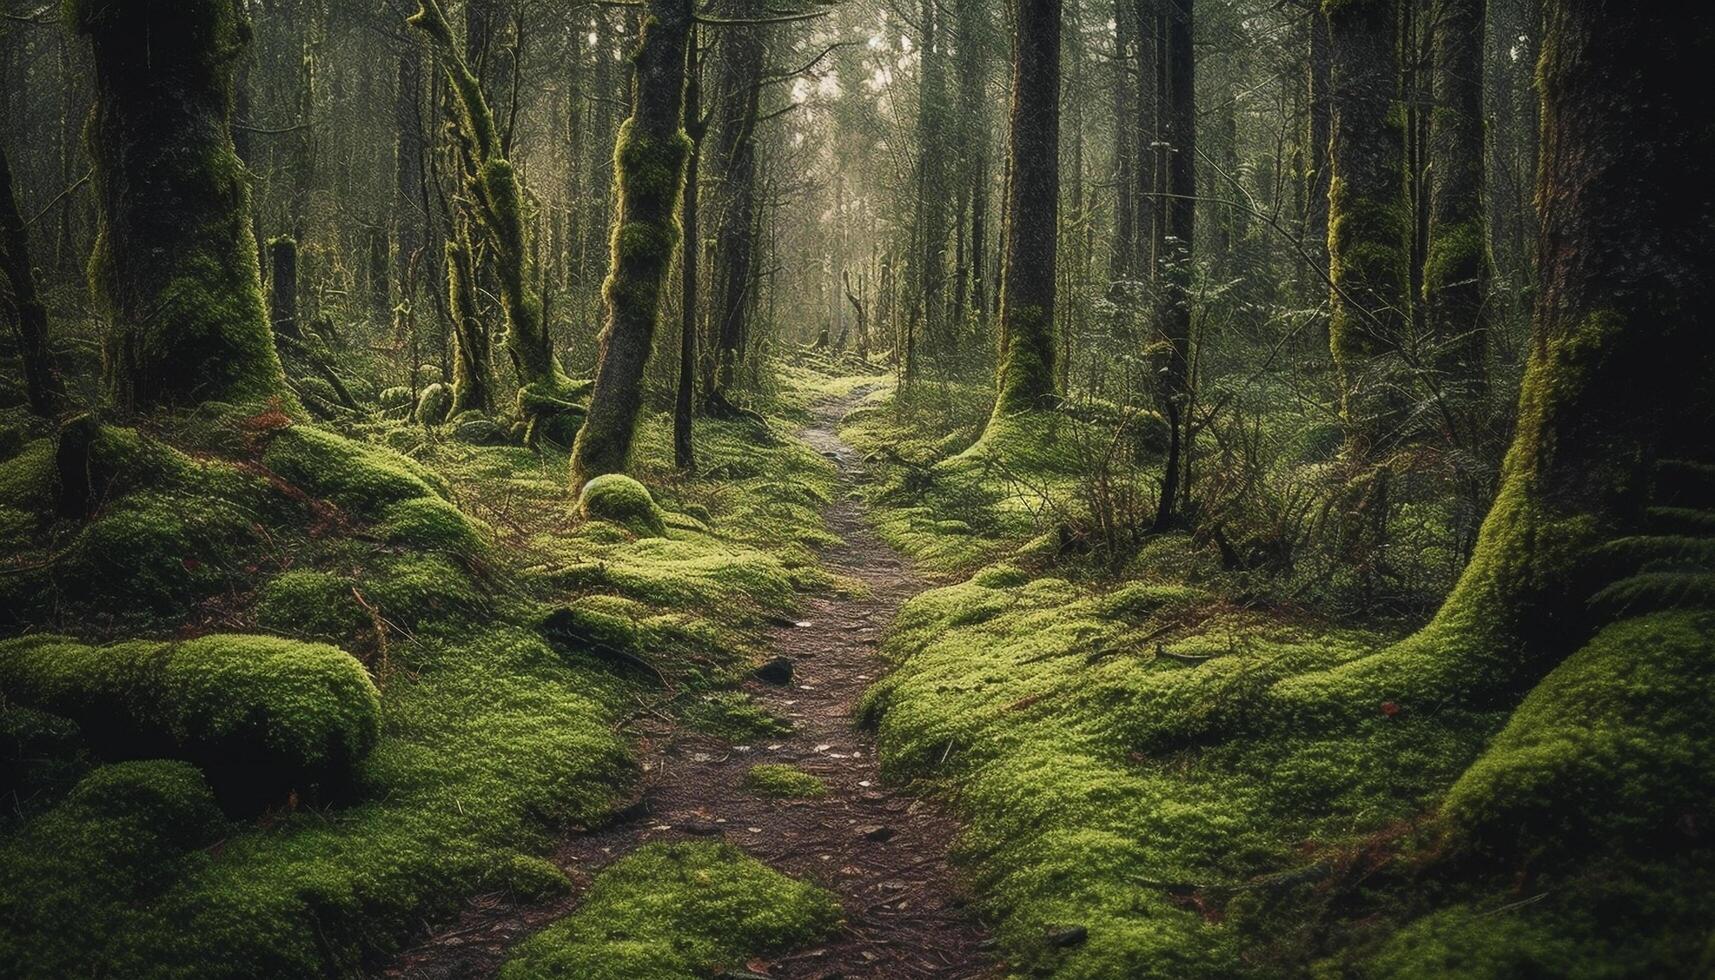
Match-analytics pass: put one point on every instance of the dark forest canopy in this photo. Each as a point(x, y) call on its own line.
point(809, 488)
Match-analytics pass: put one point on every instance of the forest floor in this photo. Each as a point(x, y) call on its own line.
point(880, 850)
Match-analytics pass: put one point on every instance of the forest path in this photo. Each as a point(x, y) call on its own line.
point(881, 851)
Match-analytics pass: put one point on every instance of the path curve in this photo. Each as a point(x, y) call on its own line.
point(904, 910)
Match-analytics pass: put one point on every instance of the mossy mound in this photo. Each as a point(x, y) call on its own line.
point(260, 715)
point(360, 479)
point(97, 862)
point(432, 524)
point(621, 500)
point(160, 552)
point(735, 717)
point(783, 782)
point(310, 605)
point(671, 911)
point(1615, 747)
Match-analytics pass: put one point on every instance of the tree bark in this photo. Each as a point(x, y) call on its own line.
point(649, 178)
point(175, 267)
point(690, 254)
point(1027, 289)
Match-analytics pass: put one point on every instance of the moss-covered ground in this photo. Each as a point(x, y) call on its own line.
point(1136, 804)
point(479, 641)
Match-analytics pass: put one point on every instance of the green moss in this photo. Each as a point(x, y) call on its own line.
point(362, 480)
point(623, 501)
point(432, 524)
point(140, 824)
point(783, 782)
point(673, 911)
point(29, 481)
point(735, 717)
point(159, 553)
point(261, 715)
point(308, 605)
point(414, 590)
point(533, 879)
point(1611, 748)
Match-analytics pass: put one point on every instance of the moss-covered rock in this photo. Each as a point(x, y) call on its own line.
point(260, 715)
point(433, 404)
point(158, 552)
point(621, 500)
point(674, 911)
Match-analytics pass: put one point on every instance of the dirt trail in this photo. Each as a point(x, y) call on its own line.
point(904, 913)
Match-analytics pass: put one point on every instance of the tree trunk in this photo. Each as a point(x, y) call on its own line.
point(1181, 208)
point(1458, 269)
point(42, 383)
point(690, 252)
point(1027, 289)
point(1370, 223)
point(1320, 104)
point(1122, 262)
point(649, 176)
point(175, 268)
point(1621, 351)
point(742, 59)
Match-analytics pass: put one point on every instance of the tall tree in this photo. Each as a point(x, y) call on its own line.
point(743, 53)
point(1319, 129)
point(1457, 271)
point(690, 254)
point(1174, 315)
point(176, 267)
point(1620, 357)
point(1370, 222)
point(648, 176)
point(1027, 289)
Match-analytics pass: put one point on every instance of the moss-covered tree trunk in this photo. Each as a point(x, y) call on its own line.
point(649, 176)
point(473, 361)
point(499, 201)
point(1027, 287)
point(42, 385)
point(175, 267)
point(1369, 220)
point(1319, 126)
point(1621, 353)
point(1457, 269)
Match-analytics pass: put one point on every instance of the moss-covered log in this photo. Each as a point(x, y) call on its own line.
point(175, 266)
point(1027, 289)
point(1369, 221)
point(1620, 356)
point(649, 178)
